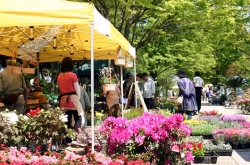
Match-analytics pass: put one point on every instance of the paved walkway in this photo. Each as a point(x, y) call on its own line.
point(239, 157)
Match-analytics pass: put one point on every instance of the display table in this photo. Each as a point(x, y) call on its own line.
point(28, 106)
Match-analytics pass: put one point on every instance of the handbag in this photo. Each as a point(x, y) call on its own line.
point(179, 101)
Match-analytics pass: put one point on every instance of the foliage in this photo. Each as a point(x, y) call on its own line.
point(39, 126)
point(166, 112)
point(133, 113)
point(197, 149)
point(12, 62)
point(203, 129)
point(8, 128)
point(195, 139)
point(85, 136)
point(150, 132)
point(218, 147)
point(235, 82)
point(105, 76)
point(29, 64)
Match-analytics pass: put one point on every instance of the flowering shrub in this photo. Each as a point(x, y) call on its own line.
point(24, 156)
point(8, 129)
point(151, 132)
point(85, 136)
point(233, 118)
point(38, 127)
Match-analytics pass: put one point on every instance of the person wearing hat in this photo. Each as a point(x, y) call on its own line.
point(187, 90)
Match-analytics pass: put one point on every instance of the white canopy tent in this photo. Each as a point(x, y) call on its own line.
point(47, 31)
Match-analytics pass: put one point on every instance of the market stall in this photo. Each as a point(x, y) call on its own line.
point(47, 31)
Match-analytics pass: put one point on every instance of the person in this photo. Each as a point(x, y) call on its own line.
point(187, 90)
point(112, 100)
point(198, 84)
point(69, 99)
point(128, 83)
point(85, 102)
point(139, 77)
point(148, 91)
point(13, 89)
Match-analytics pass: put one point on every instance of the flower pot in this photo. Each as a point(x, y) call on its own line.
point(128, 65)
point(120, 62)
point(14, 70)
point(32, 101)
point(224, 153)
point(108, 87)
point(207, 159)
point(28, 70)
point(235, 145)
point(243, 145)
point(207, 136)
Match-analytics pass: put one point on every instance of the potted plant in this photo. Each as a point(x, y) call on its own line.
point(107, 81)
point(13, 67)
point(220, 149)
point(28, 67)
point(120, 59)
point(129, 63)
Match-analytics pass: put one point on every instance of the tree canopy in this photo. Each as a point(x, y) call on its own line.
point(204, 35)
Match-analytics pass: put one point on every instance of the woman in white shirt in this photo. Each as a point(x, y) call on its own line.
point(198, 84)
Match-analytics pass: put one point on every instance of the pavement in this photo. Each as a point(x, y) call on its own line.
point(240, 156)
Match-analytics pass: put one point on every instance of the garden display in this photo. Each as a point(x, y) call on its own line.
point(220, 149)
point(106, 80)
point(151, 135)
point(209, 113)
point(37, 128)
point(238, 137)
point(28, 67)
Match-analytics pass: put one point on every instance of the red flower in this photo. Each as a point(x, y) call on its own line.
point(200, 146)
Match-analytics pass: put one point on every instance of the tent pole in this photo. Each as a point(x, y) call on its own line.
point(122, 90)
point(92, 84)
point(135, 82)
point(38, 69)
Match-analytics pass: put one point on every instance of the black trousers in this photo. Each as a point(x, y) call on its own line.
point(198, 93)
point(78, 121)
point(149, 103)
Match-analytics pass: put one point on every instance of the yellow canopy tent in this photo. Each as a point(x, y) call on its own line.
point(56, 29)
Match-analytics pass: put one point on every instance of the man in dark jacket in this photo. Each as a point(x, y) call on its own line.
point(14, 88)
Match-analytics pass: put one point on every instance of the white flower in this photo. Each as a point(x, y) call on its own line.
point(63, 118)
point(11, 117)
point(25, 117)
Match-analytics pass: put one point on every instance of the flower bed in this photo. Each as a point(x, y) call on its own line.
point(37, 128)
point(153, 134)
point(235, 136)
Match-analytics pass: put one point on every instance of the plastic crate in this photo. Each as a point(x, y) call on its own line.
point(224, 153)
point(207, 159)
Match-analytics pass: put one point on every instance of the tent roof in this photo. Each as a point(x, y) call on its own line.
point(56, 29)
